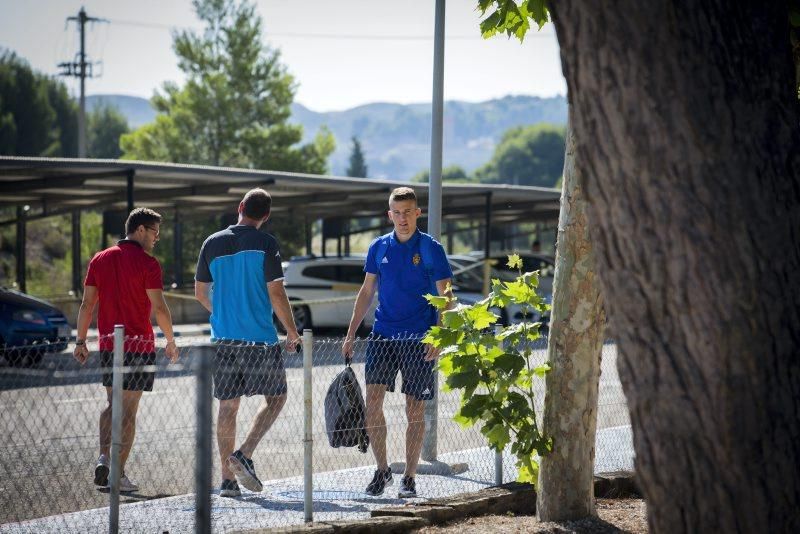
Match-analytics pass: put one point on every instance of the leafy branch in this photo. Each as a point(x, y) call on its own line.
point(495, 371)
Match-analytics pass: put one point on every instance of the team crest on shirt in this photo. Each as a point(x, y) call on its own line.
point(416, 259)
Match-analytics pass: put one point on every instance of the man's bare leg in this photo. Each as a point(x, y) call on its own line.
point(376, 423)
point(226, 433)
point(266, 415)
point(105, 426)
point(130, 407)
point(415, 414)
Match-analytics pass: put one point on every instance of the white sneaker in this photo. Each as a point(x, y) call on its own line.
point(127, 485)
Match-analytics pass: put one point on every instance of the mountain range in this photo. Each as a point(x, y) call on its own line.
point(395, 138)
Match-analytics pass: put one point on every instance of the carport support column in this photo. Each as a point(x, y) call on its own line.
point(76, 252)
point(177, 248)
point(21, 238)
point(307, 228)
point(429, 442)
point(487, 246)
point(308, 436)
point(131, 174)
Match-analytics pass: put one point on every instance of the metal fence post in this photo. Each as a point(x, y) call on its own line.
point(116, 427)
point(202, 357)
point(498, 455)
point(308, 439)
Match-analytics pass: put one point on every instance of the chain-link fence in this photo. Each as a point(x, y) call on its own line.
point(54, 412)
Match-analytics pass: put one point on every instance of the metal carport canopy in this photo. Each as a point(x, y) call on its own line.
point(52, 186)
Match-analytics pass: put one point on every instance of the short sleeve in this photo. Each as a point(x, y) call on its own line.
point(153, 279)
point(90, 275)
point(203, 271)
point(369, 265)
point(441, 266)
point(273, 270)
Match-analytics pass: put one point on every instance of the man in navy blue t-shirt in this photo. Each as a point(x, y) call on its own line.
point(239, 279)
point(402, 266)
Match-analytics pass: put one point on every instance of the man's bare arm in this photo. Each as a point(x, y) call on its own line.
point(444, 290)
point(90, 297)
point(363, 302)
point(164, 321)
point(283, 310)
point(202, 292)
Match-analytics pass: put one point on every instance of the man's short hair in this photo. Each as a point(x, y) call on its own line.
point(257, 204)
point(402, 193)
point(139, 217)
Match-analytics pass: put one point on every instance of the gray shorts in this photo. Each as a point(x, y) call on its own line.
point(248, 369)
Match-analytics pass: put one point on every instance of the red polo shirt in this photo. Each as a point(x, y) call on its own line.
point(122, 275)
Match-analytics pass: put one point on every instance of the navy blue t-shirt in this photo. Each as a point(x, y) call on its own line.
point(240, 261)
point(402, 282)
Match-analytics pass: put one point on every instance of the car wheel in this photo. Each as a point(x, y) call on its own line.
point(302, 319)
point(22, 357)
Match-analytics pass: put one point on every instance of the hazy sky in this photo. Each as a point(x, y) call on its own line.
point(342, 53)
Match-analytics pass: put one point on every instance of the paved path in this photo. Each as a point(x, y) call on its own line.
point(337, 496)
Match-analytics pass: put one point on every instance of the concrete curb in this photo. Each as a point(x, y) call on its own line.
point(516, 498)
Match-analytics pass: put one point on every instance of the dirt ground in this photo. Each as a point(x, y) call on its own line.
point(614, 515)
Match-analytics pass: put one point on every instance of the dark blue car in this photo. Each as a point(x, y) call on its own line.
point(29, 328)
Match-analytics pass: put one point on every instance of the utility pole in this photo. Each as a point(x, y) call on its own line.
point(82, 69)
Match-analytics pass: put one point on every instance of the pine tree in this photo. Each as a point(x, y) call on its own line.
point(235, 105)
point(357, 167)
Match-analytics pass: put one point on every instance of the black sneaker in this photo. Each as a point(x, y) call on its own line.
point(244, 470)
point(229, 488)
point(379, 482)
point(101, 472)
point(408, 488)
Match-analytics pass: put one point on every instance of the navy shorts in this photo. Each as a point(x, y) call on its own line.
point(386, 356)
point(248, 369)
point(136, 379)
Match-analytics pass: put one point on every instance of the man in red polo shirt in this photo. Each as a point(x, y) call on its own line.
point(126, 280)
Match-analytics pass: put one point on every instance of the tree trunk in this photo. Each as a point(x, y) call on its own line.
point(577, 320)
point(686, 118)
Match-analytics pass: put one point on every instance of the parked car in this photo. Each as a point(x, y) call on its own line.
point(334, 278)
point(472, 264)
point(338, 279)
point(29, 328)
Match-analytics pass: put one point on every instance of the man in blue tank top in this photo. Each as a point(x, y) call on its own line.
point(402, 266)
point(239, 279)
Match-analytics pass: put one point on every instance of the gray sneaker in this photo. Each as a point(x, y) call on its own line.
point(101, 472)
point(127, 485)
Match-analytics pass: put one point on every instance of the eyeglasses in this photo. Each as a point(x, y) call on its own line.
point(156, 230)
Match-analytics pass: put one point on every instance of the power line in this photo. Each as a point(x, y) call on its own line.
point(343, 36)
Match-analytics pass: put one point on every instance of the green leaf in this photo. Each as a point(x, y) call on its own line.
point(541, 370)
point(464, 379)
point(480, 317)
point(496, 435)
point(452, 319)
point(514, 261)
point(440, 303)
point(465, 422)
point(510, 362)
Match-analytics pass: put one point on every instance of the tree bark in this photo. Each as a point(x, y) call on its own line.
point(686, 119)
point(574, 348)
